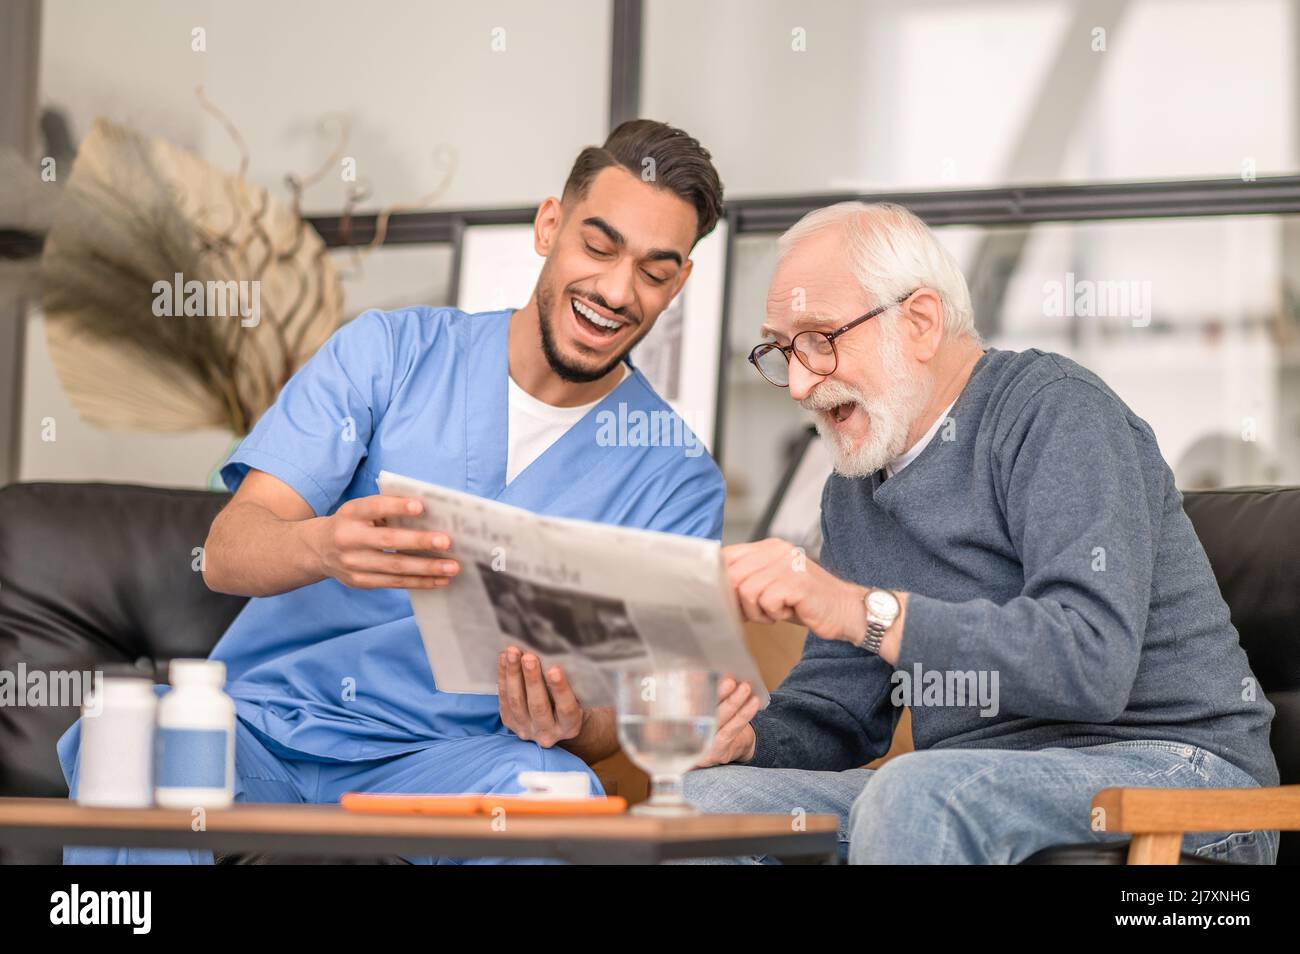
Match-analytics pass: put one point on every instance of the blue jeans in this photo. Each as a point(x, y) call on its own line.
point(981, 806)
point(267, 772)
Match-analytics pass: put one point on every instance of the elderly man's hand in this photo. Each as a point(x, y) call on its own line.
point(735, 739)
point(537, 708)
point(776, 582)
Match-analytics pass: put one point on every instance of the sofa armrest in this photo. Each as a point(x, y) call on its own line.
point(1158, 817)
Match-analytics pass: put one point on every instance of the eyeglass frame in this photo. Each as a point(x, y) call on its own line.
point(830, 336)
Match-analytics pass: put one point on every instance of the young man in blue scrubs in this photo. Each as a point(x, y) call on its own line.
point(325, 663)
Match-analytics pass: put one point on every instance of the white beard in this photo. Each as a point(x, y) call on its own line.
point(891, 415)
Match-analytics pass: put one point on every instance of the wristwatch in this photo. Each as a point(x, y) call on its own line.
point(882, 609)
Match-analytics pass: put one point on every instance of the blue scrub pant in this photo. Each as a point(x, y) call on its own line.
point(479, 764)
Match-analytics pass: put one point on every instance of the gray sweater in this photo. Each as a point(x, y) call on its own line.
point(1048, 558)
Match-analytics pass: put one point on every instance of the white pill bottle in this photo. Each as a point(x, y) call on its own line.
point(118, 720)
point(195, 758)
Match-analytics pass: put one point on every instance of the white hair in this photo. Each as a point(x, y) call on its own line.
point(893, 252)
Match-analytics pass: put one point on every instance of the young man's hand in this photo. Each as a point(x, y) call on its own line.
point(351, 545)
point(543, 708)
point(537, 708)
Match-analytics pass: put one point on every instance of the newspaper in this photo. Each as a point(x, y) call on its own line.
point(591, 598)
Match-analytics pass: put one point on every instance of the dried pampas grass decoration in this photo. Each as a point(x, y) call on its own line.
point(136, 214)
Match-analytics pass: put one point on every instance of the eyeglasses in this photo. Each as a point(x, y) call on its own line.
point(814, 349)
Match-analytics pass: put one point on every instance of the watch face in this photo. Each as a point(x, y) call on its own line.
point(882, 603)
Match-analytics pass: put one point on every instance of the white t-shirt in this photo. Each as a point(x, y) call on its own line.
point(534, 425)
point(898, 463)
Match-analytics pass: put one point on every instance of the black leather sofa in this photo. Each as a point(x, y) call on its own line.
point(100, 574)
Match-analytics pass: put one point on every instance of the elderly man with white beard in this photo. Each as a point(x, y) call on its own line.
point(995, 518)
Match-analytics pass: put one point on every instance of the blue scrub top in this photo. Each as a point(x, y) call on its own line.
point(335, 673)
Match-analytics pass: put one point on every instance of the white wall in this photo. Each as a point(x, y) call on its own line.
point(411, 76)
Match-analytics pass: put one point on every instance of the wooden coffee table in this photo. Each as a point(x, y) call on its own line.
point(328, 830)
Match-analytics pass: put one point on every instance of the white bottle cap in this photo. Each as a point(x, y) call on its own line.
point(197, 672)
point(125, 687)
point(114, 691)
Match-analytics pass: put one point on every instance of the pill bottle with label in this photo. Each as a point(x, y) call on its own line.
point(195, 761)
point(116, 757)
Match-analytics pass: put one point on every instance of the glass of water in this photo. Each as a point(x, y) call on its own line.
point(666, 723)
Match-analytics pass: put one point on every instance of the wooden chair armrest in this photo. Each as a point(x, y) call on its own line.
point(1158, 817)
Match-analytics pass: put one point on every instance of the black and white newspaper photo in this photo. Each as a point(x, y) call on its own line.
point(593, 598)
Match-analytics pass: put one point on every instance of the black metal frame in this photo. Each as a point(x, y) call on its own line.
point(1033, 204)
point(20, 30)
point(625, 62)
point(1008, 206)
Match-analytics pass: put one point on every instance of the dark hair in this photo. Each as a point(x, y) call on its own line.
point(680, 165)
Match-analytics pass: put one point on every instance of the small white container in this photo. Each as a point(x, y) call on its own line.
point(555, 784)
point(115, 767)
point(195, 761)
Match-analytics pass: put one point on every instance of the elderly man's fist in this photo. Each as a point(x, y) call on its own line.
point(775, 582)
